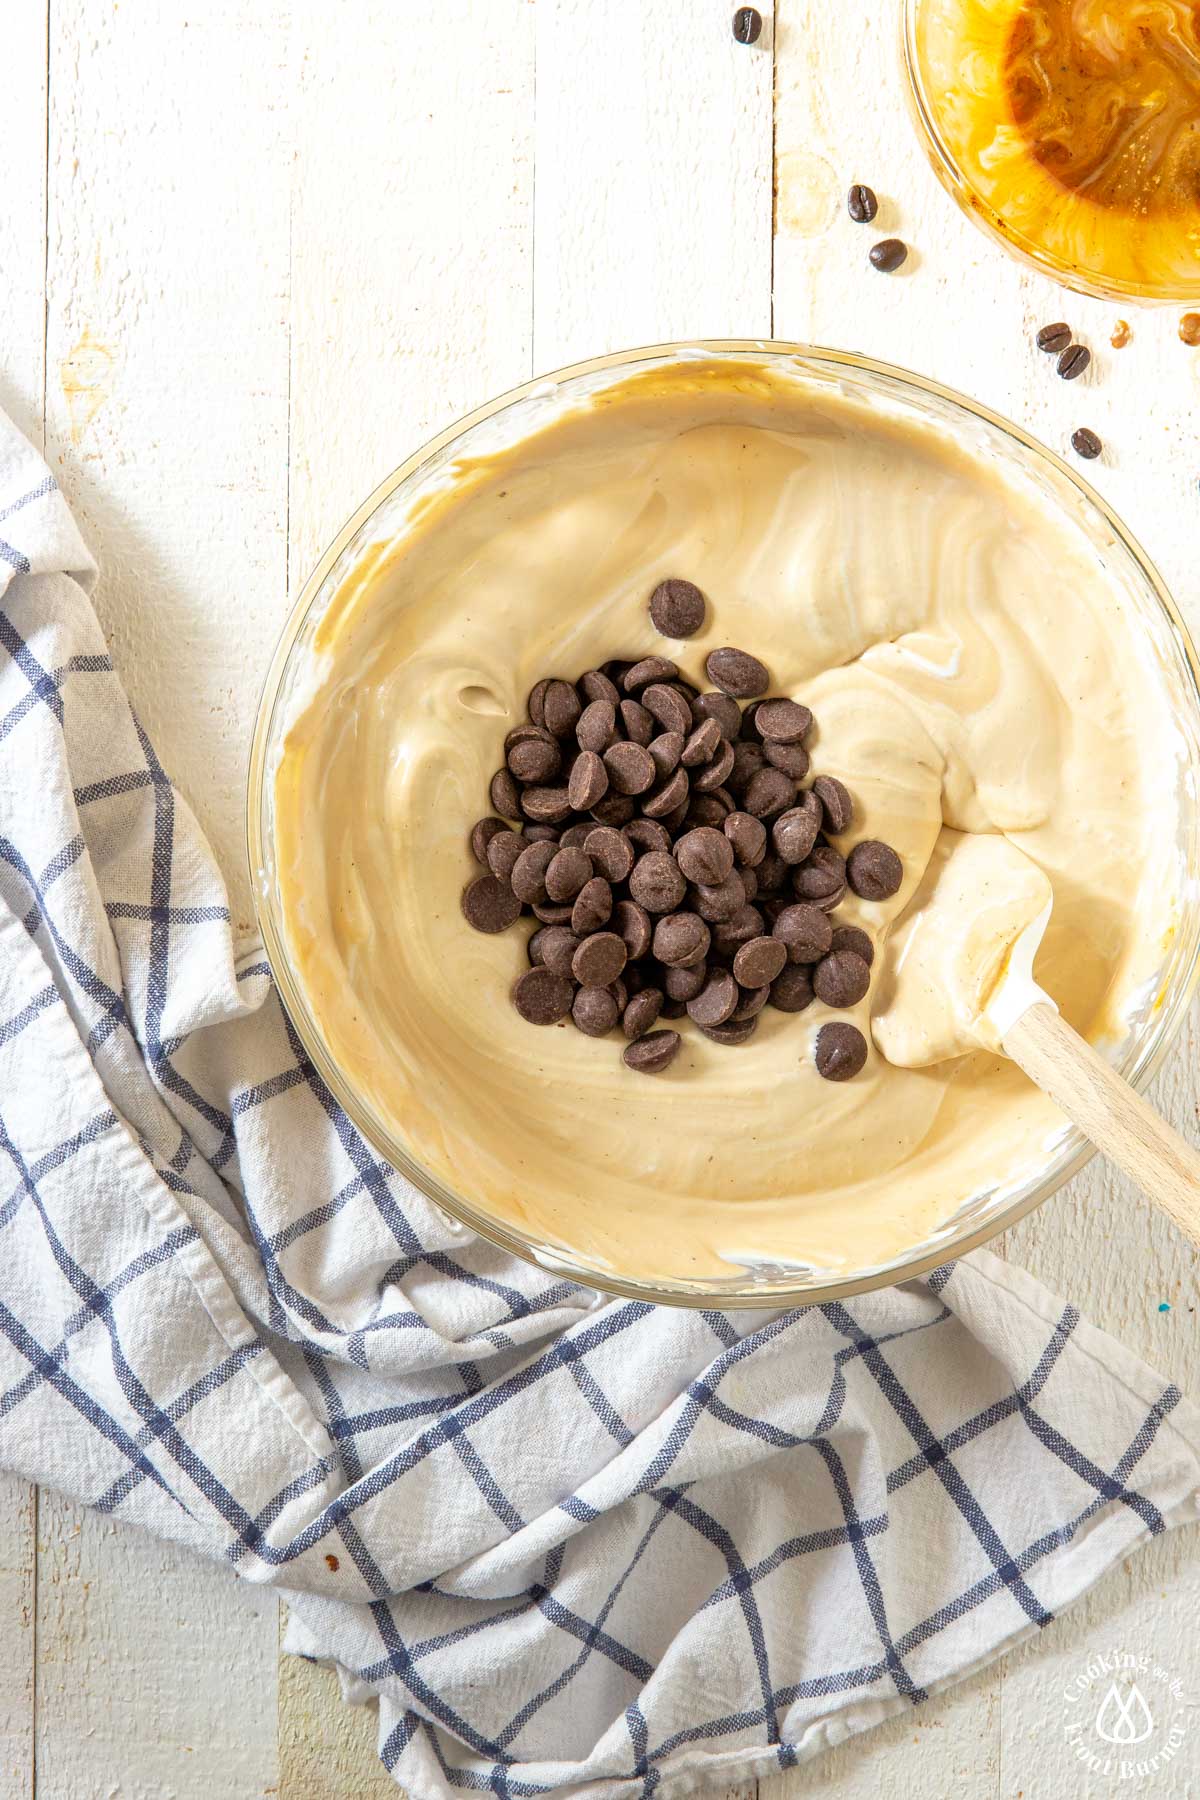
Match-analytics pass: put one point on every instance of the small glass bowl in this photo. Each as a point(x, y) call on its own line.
point(895, 392)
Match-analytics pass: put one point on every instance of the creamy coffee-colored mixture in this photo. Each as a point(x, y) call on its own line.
point(972, 667)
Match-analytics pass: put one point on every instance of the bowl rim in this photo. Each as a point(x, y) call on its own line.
point(778, 1296)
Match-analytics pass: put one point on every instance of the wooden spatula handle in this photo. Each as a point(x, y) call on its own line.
point(1118, 1121)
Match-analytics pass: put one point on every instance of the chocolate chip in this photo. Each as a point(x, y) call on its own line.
point(482, 833)
point(768, 793)
point(793, 759)
point(841, 978)
point(772, 873)
point(648, 671)
point(610, 851)
point(651, 1054)
point(677, 608)
point(747, 25)
point(539, 834)
point(666, 751)
point(503, 852)
point(630, 768)
point(556, 946)
point(596, 685)
point(595, 1011)
point(529, 872)
point(861, 203)
point(685, 983)
point(1073, 361)
point(748, 759)
point(615, 810)
point(750, 732)
point(805, 933)
point(633, 925)
point(648, 834)
point(572, 838)
point(718, 771)
point(1085, 443)
point(749, 880)
point(821, 878)
point(750, 1003)
point(534, 760)
point(730, 934)
point(737, 673)
point(850, 937)
point(888, 255)
point(561, 708)
point(546, 805)
point(638, 723)
point(566, 873)
point(841, 1051)
point(709, 809)
point(599, 959)
point(721, 900)
point(783, 721)
point(490, 905)
point(835, 801)
point(641, 1013)
point(874, 870)
point(792, 991)
point(1054, 338)
point(548, 912)
point(668, 798)
point(541, 997)
point(716, 1001)
point(593, 906)
point(597, 726)
point(504, 795)
point(705, 856)
point(657, 882)
point(702, 745)
point(733, 1032)
point(759, 962)
point(588, 782)
point(668, 707)
point(681, 940)
point(795, 831)
point(748, 836)
point(720, 707)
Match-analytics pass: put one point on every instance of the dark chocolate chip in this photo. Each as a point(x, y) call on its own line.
point(783, 721)
point(561, 708)
point(610, 850)
point(733, 1032)
point(792, 991)
point(533, 759)
point(721, 900)
point(795, 831)
point(874, 870)
point(805, 932)
point(835, 801)
point(793, 759)
point(482, 833)
point(730, 934)
point(567, 872)
point(593, 906)
point(861, 203)
point(638, 723)
point(841, 1051)
point(599, 959)
point(490, 905)
point(705, 856)
point(723, 709)
point(596, 685)
point(750, 1003)
point(681, 940)
point(651, 1054)
point(556, 947)
point(1073, 361)
point(850, 937)
point(505, 798)
point(648, 834)
point(574, 836)
point(748, 836)
point(539, 834)
point(597, 726)
point(717, 773)
point(841, 978)
point(668, 706)
point(546, 805)
point(821, 878)
point(542, 997)
point(683, 984)
point(1054, 338)
point(668, 798)
point(588, 782)
point(702, 745)
point(748, 759)
point(749, 880)
point(772, 873)
point(535, 706)
point(759, 962)
point(548, 912)
point(738, 673)
point(615, 810)
point(673, 1009)
point(630, 768)
point(595, 1011)
point(529, 872)
point(641, 1013)
point(657, 882)
point(768, 793)
point(633, 925)
point(651, 669)
point(716, 1001)
point(709, 809)
point(503, 852)
point(888, 255)
point(677, 608)
point(666, 752)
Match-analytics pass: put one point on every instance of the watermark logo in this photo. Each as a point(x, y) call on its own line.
point(1125, 1716)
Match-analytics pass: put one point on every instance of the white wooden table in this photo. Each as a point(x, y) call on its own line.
point(251, 253)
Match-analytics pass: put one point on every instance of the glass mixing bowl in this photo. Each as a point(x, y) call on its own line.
point(896, 393)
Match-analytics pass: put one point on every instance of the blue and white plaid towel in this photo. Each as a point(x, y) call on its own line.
point(566, 1540)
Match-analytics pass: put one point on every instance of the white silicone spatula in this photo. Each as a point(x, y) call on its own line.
point(960, 977)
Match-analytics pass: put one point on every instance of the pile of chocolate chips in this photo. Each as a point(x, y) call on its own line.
point(672, 857)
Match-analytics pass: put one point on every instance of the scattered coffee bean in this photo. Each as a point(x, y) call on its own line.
point(529, 872)
point(677, 608)
point(874, 870)
point(651, 1054)
point(504, 795)
point(1085, 443)
point(783, 721)
point(567, 872)
point(638, 723)
point(737, 673)
point(841, 978)
point(805, 932)
point(850, 937)
point(599, 959)
point(641, 1013)
point(651, 669)
point(705, 856)
point(611, 852)
point(595, 1011)
point(717, 1000)
point(841, 1051)
point(748, 836)
point(759, 962)
point(541, 997)
point(657, 882)
point(747, 24)
point(888, 255)
point(795, 831)
point(861, 204)
point(1054, 338)
point(1073, 361)
point(629, 768)
point(593, 906)
point(490, 905)
point(792, 990)
point(836, 803)
point(731, 1033)
point(821, 878)
point(597, 726)
point(482, 833)
point(681, 940)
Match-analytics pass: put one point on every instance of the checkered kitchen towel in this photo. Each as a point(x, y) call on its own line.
point(566, 1540)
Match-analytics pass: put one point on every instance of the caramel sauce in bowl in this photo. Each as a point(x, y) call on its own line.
point(1071, 130)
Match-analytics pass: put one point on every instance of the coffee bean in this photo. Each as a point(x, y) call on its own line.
point(720, 900)
point(795, 831)
point(716, 1001)
point(888, 255)
point(630, 768)
point(546, 805)
point(731, 1033)
point(657, 882)
point(792, 990)
point(841, 978)
point(641, 1013)
point(596, 685)
point(650, 1055)
point(835, 801)
point(821, 878)
point(556, 947)
point(750, 1003)
point(1073, 361)
point(648, 834)
point(737, 673)
point(681, 940)
point(593, 906)
point(633, 925)
point(677, 608)
point(705, 856)
point(615, 810)
point(638, 723)
point(651, 669)
point(861, 204)
point(561, 708)
point(718, 771)
point(702, 745)
point(482, 833)
point(747, 24)
point(597, 726)
point(759, 962)
point(841, 1051)
point(668, 798)
point(595, 1011)
point(683, 984)
point(874, 870)
point(529, 872)
point(850, 937)
point(720, 707)
point(541, 997)
point(783, 721)
point(535, 706)
point(1086, 444)
point(490, 905)
point(668, 706)
point(805, 933)
point(566, 873)
point(610, 851)
point(728, 935)
point(503, 852)
point(1054, 338)
point(534, 760)
point(666, 752)
point(504, 795)
point(599, 959)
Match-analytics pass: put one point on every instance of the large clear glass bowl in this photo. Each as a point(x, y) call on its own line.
point(992, 1208)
